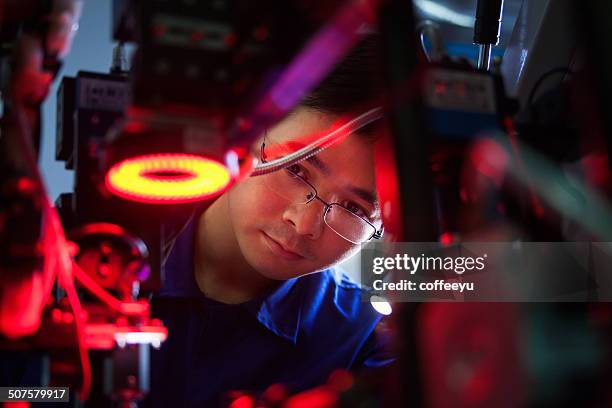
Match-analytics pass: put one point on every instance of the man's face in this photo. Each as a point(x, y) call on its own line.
point(283, 238)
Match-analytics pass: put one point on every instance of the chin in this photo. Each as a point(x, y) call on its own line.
point(277, 269)
point(276, 275)
point(261, 255)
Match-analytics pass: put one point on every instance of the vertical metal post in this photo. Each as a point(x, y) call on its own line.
point(487, 27)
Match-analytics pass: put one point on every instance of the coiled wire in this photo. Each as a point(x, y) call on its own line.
point(320, 144)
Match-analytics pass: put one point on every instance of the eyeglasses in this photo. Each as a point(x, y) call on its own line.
point(289, 185)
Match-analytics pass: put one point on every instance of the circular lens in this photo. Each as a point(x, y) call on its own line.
point(289, 186)
point(348, 225)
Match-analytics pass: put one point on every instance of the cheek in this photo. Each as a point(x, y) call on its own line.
point(332, 249)
point(250, 203)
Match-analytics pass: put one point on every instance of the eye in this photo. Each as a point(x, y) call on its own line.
point(296, 170)
point(356, 209)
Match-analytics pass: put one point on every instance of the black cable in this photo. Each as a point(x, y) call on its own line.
point(546, 75)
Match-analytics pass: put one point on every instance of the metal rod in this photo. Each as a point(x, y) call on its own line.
point(484, 56)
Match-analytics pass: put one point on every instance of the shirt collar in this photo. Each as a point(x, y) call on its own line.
point(280, 311)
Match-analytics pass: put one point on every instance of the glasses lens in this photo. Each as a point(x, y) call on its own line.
point(289, 186)
point(348, 225)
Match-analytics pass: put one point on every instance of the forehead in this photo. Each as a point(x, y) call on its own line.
point(301, 125)
point(349, 161)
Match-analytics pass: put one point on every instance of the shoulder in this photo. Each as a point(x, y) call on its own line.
point(331, 296)
point(336, 314)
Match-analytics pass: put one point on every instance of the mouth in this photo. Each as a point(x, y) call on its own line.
point(279, 249)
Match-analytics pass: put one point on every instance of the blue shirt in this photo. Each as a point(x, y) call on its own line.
point(296, 335)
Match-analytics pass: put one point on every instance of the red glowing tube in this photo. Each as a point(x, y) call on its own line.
point(126, 308)
point(168, 178)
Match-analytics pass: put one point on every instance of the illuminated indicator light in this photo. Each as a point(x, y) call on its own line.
point(56, 315)
point(381, 305)
point(68, 318)
point(167, 178)
point(153, 338)
point(232, 161)
point(440, 88)
point(105, 270)
point(135, 127)
point(26, 185)
point(446, 238)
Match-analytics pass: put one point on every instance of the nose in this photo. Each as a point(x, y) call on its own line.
point(306, 219)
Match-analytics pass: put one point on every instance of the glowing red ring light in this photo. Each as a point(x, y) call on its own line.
point(167, 178)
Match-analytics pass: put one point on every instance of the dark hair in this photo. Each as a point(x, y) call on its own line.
point(353, 86)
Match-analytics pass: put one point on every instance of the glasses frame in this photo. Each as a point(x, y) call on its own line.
point(377, 234)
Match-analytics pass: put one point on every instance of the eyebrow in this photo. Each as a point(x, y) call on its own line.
point(314, 160)
point(364, 194)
